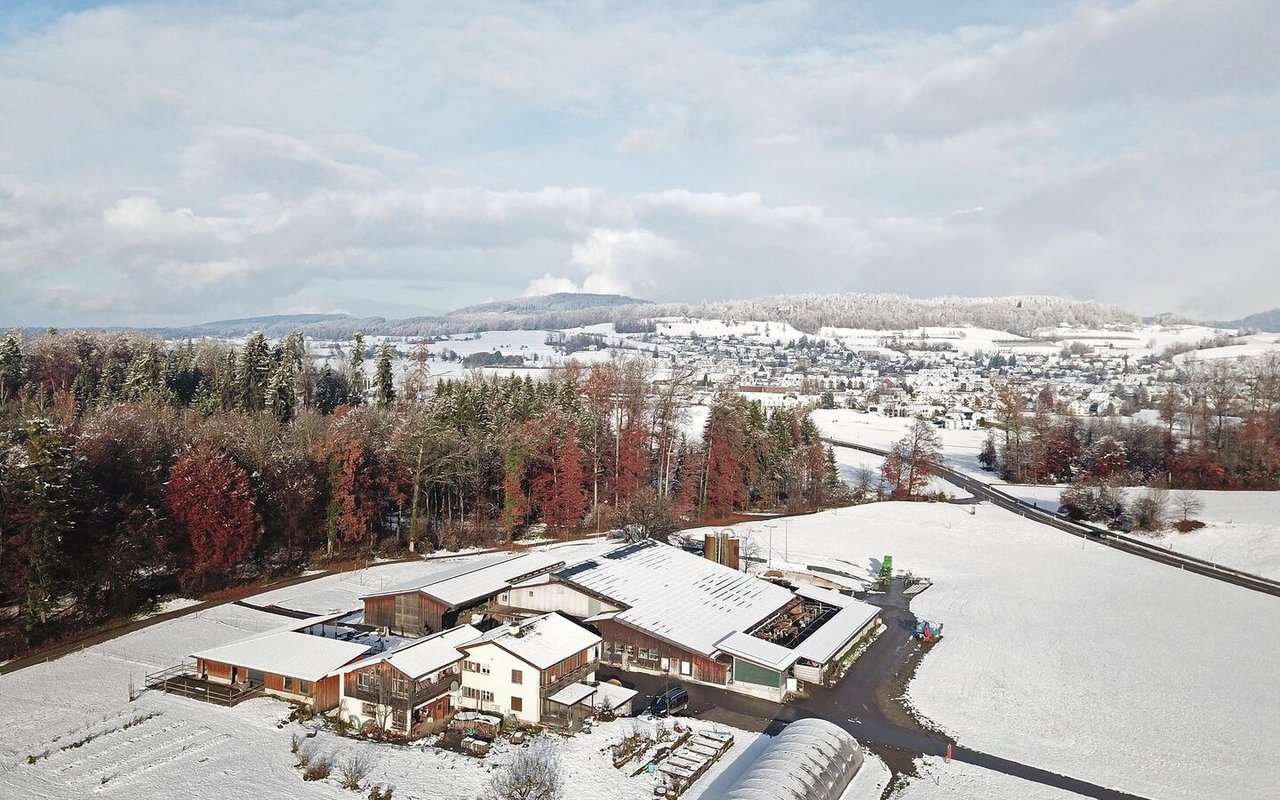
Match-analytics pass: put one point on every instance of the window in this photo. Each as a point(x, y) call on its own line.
point(517, 676)
point(368, 709)
point(288, 683)
point(255, 677)
point(304, 687)
point(477, 694)
point(368, 680)
point(517, 704)
point(399, 685)
point(686, 668)
point(475, 666)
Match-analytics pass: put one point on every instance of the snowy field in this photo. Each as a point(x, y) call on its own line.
point(1242, 529)
point(72, 718)
point(1073, 657)
point(850, 462)
point(959, 448)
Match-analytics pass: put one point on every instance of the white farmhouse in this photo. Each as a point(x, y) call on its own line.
point(534, 669)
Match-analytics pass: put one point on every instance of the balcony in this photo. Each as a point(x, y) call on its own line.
point(569, 677)
point(423, 692)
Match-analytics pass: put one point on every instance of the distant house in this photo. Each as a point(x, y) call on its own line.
point(406, 688)
point(295, 661)
point(535, 669)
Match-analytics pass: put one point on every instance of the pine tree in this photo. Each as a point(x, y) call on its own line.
point(355, 387)
point(384, 382)
point(253, 373)
point(331, 390)
point(12, 367)
point(43, 474)
point(281, 397)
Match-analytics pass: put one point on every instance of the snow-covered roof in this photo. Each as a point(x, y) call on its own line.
point(837, 632)
point(468, 583)
point(811, 759)
point(419, 657)
point(758, 651)
point(572, 694)
point(611, 696)
point(541, 641)
point(811, 592)
point(287, 652)
point(678, 596)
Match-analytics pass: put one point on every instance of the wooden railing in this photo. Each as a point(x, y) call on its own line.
point(182, 680)
point(572, 676)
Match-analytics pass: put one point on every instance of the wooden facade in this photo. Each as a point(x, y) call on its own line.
point(630, 649)
point(410, 613)
point(321, 695)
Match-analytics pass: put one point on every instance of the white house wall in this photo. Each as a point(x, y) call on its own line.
point(498, 681)
point(555, 597)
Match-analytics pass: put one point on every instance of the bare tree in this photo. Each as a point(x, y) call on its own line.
point(1149, 509)
point(533, 774)
point(913, 461)
point(1187, 504)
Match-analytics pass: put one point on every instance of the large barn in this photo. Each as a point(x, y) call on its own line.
point(660, 609)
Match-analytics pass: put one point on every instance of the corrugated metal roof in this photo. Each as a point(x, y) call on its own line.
point(678, 596)
point(286, 652)
point(758, 651)
point(541, 641)
point(811, 759)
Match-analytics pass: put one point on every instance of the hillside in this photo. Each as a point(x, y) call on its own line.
point(1268, 321)
point(807, 313)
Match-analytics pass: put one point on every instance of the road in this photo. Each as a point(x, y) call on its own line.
point(865, 703)
point(1101, 536)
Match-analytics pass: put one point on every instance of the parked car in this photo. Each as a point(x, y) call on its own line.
point(673, 701)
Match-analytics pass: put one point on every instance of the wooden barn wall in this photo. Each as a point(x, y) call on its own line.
point(380, 611)
point(326, 693)
point(704, 669)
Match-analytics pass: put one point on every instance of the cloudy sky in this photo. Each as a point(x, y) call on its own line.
point(170, 162)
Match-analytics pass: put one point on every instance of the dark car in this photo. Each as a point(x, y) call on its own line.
point(672, 701)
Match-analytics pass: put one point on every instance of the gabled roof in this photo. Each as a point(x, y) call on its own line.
point(482, 578)
point(287, 652)
point(542, 641)
point(677, 596)
point(424, 656)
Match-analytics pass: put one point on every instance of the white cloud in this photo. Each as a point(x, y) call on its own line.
point(550, 284)
point(160, 162)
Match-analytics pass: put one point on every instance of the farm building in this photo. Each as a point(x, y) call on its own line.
point(407, 688)
point(660, 609)
point(294, 661)
point(435, 602)
point(534, 669)
point(811, 759)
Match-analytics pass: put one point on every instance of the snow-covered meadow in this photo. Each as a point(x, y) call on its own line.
point(1074, 657)
point(161, 746)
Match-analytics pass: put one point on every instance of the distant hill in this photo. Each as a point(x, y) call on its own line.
point(542, 304)
point(1268, 321)
point(806, 312)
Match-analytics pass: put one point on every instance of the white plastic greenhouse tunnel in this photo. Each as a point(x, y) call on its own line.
point(811, 759)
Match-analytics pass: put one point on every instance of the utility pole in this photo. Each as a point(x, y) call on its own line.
point(771, 526)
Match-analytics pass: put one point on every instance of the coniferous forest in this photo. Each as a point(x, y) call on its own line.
point(131, 468)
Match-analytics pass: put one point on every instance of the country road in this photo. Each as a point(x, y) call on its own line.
point(1101, 536)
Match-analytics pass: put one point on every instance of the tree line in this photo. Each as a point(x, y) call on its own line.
point(130, 467)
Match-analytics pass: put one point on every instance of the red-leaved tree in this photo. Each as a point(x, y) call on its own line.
point(209, 495)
